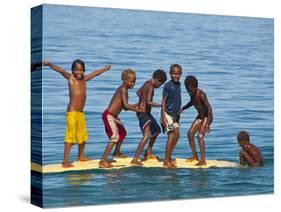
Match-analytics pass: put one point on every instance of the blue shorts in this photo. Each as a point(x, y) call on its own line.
point(146, 119)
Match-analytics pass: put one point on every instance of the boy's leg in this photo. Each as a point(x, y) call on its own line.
point(148, 154)
point(175, 140)
point(103, 162)
point(146, 135)
point(81, 149)
point(65, 163)
point(201, 135)
point(169, 147)
point(245, 157)
point(117, 151)
point(155, 131)
point(121, 134)
point(193, 129)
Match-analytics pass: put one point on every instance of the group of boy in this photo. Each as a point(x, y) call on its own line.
point(171, 108)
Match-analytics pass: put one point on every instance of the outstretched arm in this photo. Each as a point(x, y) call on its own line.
point(125, 103)
point(188, 105)
point(96, 73)
point(57, 69)
point(149, 98)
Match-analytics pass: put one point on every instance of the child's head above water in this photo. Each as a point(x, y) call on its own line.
point(175, 72)
point(191, 84)
point(243, 138)
point(159, 76)
point(129, 78)
point(78, 69)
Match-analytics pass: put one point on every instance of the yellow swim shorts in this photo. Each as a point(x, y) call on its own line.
point(75, 131)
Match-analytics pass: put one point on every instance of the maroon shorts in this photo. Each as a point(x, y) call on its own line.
point(113, 127)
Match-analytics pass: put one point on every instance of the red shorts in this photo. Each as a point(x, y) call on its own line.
point(113, 127)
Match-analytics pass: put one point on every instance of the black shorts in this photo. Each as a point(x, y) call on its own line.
point(146, 119)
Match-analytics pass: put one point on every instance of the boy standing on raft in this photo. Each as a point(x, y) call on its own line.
point(113, 126)
point(249, 153)
point(170, 113)
point(75, 120)
point(148, 125)
point(202, 122)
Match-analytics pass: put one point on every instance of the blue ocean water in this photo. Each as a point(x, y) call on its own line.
point(232, 57)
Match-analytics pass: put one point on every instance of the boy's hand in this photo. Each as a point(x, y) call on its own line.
point(207, 129)
point(181, 110)
point(140, 109)
point(45, 63)
point(107, 67)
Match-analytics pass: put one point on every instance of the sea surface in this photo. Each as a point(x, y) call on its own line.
point(232, 58)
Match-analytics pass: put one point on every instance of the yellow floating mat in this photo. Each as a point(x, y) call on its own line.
point(125, 163)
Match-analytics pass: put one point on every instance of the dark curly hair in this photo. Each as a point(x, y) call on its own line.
point(160, 74)
point(77, 61)
point(243, 136)
point(191, 80)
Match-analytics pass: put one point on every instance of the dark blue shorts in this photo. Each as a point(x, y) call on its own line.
point(146, 119)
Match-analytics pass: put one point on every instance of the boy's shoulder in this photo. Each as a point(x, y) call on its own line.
point(71, 78)
point(123, 88)
point(201, 92)
point(168, 84)
point(171, 84)
point(148, 84)
point(119, 88)
point(253, 145)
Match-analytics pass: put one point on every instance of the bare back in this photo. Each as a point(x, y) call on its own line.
point(77, 94)
point(254, 152)
point(143, 96)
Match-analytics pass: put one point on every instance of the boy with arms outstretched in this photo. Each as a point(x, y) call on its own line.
point(170, 113)
point(113, 126)
point(149, 126)
point(75, 121)
point(249, 153)
point(202, 122)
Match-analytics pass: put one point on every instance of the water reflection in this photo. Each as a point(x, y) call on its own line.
point(79, 178)
point(75, 193)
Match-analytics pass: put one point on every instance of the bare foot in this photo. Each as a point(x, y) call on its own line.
point(168, 165)
point(67, 165)
point(111, 161)
point(119, 155)
point(104, 164)
point(201, 163)
point(83, 159)
point(191, 159)
point(136, 163)
point(153, 157)
point(173, 161)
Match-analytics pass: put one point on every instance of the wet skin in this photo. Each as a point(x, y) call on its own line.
point(201, 124)
point(250, 154)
